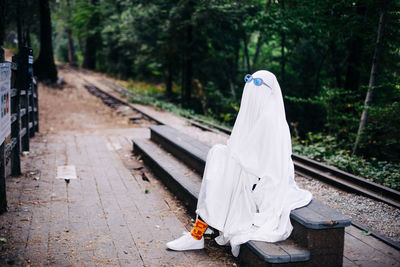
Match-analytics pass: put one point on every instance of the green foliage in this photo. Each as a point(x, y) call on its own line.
point(327, 149)
point(340, 108)
point(61, 50)
point(82, 17)
point(382, 135)
point(320, 51)
point(149, 95)
point(222, 108)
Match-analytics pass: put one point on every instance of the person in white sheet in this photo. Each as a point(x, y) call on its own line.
point(248, 187)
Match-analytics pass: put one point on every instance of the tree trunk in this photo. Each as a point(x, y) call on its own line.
point(352, 80)
point(246, 53)
point(168, 81)
point(372, 77)
point(44, 66)
point(187, 71)
point(336, 65)
point(258, 48)
point(89, 58)
point(283, 60)
point(188, 68)
point(27, 38)
point(2, 21)
point(235, 66)
point(19, 25)
point(71, 49)
point(321, 63)
point(260, 38)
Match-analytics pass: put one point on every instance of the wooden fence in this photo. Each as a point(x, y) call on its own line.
point(24, 117)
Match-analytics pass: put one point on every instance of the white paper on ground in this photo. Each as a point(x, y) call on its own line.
point(113, 146)
point(66, 172)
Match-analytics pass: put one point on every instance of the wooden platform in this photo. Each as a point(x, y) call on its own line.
point(111, 215)
point(312, 218)
point(185, 183)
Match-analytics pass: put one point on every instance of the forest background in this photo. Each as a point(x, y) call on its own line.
point(191, 57)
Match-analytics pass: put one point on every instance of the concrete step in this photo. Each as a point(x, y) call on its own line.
point(191, 151)
point(180, 179)
point(316, 226)
point(185, 184)
point(194, 153)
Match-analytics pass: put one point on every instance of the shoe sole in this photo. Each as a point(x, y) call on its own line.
point(185, 249)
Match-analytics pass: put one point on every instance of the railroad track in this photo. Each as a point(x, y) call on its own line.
point(303, 166)
point(307, 167)
point(314, 169)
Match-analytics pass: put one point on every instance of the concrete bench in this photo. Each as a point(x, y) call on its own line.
point(318, 234)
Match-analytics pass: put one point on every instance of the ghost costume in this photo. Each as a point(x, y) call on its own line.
point(258, 152)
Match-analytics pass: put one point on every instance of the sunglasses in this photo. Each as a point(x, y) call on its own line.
point(257, 81)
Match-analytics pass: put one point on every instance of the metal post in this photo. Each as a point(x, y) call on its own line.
point(16, 126)
point(31, 99)
point(36, 104)
point(3, 197)
point(23, 86)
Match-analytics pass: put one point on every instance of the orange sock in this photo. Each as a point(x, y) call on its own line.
point(198, 229)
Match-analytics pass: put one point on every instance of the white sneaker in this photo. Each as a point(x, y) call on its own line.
point(186, 242)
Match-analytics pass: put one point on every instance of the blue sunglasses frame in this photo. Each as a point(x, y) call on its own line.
point(257, 81)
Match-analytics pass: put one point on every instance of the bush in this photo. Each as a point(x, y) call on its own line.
point(218, 106)
point(382, 134)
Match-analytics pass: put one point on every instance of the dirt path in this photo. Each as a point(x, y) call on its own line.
point(73, 108)
point(178, 122)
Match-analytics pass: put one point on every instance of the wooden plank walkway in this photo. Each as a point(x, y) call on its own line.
point(115, 214)
point(359, 250)
point(362, 250)
point(103, 218)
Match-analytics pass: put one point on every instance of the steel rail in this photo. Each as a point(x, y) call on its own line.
point(332, 175)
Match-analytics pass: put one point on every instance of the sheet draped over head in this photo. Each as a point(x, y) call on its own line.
point(257, 152)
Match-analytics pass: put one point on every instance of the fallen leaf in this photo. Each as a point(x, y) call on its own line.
point(366, 233)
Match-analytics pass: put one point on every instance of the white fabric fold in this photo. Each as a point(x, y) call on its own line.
point(257, 152)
